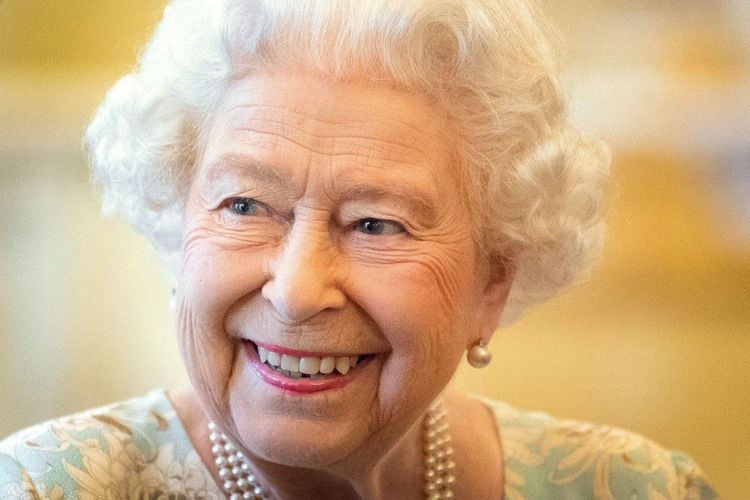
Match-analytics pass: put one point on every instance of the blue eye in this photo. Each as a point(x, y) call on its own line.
point(378, 227)
point(244, 206)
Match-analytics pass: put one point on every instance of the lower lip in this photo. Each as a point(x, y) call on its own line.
point(300, 385)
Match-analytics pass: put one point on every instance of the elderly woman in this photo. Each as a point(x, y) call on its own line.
point(350, 196)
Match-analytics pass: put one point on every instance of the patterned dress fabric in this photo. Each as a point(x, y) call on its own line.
point(138, 449)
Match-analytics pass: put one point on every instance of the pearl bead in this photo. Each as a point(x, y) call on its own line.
point(479, 356)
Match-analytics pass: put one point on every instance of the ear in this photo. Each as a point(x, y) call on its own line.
point(498, 282)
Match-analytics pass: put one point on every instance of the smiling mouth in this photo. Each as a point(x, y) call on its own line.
point(307, 366)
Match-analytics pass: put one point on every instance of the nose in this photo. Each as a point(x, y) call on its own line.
point(305, 275)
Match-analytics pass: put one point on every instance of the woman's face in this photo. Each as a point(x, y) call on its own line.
point(325, 221)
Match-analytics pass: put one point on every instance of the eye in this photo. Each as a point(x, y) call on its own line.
point(244, 206)
point(379, 227)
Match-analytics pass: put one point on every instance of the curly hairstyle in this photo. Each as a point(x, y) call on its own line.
point(535, 183)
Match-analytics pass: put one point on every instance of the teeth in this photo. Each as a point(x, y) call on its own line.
point(274, 358)
point(342, 365)
point(327, 365)
point(310, 366)
point(290, 363)
point(295, 366)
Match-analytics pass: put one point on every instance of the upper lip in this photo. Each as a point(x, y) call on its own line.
point(297, 351)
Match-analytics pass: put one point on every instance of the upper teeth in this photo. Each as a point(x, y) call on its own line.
point(308, 365)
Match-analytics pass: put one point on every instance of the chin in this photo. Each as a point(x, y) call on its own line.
point(300, 443)
point(298, 428)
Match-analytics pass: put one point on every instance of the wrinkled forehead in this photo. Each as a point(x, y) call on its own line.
point(358, 130)
point(371, 109)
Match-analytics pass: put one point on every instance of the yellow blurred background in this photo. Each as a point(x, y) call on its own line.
point(657, 342)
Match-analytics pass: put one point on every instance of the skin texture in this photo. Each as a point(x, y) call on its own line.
point(301, 271)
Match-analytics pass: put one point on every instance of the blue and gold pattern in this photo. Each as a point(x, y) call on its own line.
point(139, 449)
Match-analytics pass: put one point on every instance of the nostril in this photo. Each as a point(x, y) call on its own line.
point(298, 300)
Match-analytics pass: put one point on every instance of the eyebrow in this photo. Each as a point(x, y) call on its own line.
point(409, 196)
point(261, 171)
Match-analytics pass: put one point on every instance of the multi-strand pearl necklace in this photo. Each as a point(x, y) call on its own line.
point(239, 482)
point(438, 454)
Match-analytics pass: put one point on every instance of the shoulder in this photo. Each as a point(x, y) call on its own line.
point(135, 448)
point(546, 456)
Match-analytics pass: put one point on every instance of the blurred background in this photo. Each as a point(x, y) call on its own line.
point(658, 341)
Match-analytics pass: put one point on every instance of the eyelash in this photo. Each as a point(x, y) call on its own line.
point(367, 226)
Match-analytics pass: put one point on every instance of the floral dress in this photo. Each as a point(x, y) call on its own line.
point(551, 458)
point(138, 449)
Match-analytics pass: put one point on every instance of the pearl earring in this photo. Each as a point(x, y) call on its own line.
point(479, 356)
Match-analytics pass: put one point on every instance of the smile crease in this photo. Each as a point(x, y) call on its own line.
point(312, 367)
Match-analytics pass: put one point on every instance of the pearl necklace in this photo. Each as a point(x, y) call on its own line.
point(239, 482)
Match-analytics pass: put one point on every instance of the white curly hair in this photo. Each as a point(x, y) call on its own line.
point(536, 183)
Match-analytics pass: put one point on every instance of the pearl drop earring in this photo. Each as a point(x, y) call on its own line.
point(479, 356)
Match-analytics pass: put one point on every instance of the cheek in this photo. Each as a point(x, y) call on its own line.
point(216, 272)
point(421, 321)
point(430, 295)
point(212, 278)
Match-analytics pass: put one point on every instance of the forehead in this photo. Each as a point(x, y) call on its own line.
point(282, 126)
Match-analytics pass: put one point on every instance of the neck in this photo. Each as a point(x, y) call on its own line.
point(396, 474)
